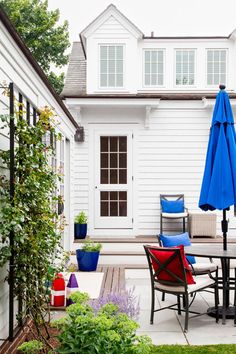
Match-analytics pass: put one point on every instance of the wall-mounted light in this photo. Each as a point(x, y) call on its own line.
point(79, 135)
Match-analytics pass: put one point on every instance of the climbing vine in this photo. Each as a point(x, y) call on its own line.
point(33, 214)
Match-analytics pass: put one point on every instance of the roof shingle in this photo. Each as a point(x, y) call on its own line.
point(75, 82)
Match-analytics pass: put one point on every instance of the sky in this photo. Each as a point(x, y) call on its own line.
point(164, 17)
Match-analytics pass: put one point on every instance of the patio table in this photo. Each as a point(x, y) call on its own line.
point(216, 251)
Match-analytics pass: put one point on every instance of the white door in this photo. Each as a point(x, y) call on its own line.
point(113, 180)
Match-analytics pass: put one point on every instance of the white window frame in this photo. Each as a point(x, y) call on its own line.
point(195, 68)
point(226, 71)
point(164, 76)
point(110, 88)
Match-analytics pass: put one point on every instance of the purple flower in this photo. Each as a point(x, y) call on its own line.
point(127, 302)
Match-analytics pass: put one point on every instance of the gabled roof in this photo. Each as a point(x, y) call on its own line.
point(24, 49)
point(111, 10)
point(75, 82)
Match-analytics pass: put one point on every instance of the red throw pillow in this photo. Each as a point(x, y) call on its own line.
point(174, 266)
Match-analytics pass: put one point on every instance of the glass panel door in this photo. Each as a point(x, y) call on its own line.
point(113, 178)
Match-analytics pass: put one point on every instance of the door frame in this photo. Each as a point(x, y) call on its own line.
point(108, 128)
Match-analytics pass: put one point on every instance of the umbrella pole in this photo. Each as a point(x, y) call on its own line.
point(224, 228)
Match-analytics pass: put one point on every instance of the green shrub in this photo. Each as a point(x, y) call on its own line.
point(107, 332)
point(31, 347)
point(90, 246)
point(81, 218)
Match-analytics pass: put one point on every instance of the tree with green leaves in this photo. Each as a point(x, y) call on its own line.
point(39, 29)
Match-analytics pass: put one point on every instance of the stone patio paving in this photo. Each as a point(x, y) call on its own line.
point(167, 327)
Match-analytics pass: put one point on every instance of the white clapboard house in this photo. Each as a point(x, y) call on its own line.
point(145, 103)
point(31, 87)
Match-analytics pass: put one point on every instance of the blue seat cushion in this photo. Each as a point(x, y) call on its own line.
point(177, 240)
point(172, 206)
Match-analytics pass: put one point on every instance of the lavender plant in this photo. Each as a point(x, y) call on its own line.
point(127, 303)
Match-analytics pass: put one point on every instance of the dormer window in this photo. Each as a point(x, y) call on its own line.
point(216, 66)
point(153, 67)
point(111, 66)
point(185, 67)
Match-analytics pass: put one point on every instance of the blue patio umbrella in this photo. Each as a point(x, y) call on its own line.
point(219, 180)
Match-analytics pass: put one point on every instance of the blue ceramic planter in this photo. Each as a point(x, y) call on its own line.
point(80, 231)
point(87, 261)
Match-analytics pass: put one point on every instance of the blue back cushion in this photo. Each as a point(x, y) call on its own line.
point(177, 240)
point(172, 206)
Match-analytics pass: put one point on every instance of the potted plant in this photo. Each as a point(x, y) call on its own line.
point(80, 225)
point(87, 256)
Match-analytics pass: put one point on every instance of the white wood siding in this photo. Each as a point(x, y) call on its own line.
point(168, 158)
point(111, 28)
point(15, 68)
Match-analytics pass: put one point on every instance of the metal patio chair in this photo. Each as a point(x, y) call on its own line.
point(172, 207)
point(170, 274)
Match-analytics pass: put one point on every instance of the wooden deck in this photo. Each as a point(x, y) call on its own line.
point(113, 279)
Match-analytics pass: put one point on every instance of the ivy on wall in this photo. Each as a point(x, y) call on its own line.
point(33, 213)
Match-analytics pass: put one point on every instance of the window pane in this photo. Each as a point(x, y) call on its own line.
point(178, 68)
point(122, 208)
point(113, 195)
point(184, 79)
point(103, 80)
point(191, 67)
point(154, 56)
point(154, 79)
point(147, 55)
point(222, 79)
point(123, 196)
point(104, 176)
point(119, 66)
point(160, 79)
point(210, 67)
point(113, 160)
point(160, 56)
point(223, 55)
point(216, 55)
point(191, 55)
point(104, 144)
point(104, 195)
point(147, 79)
point(119, 52)
point(178, 56)
point(185, 56)
point(216, 79)
point(147, 68)
point(103, 52)
point(119, 80)
point(104, 209)
point(210, 55)
point(122, 160)
point(114, 143)
point(217, 67)
point(191, 79)
point(111, 52)
point(123, 143)
point(209, 79)
point(103, 66)
point(111, 80)
point(104, 160)
point(122, 176)
point(223, 67)
point(113, 176)
point(113, 209)
point(111, 66)
point(154, 67)
point(185, 67)
point(160, 68)
point(178, 79)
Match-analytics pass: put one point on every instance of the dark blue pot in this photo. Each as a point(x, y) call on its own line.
point(87, 261)
point(80, 231)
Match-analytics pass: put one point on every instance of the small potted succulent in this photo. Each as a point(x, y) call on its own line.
point(87, 256)
point(80, 225)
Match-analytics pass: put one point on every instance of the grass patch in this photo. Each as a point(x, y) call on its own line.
point(200, 349)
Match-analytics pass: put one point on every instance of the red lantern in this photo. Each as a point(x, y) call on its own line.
point(58, 291)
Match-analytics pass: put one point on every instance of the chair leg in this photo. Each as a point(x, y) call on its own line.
point(179, 304)
point(152, 306)
point(160, 224)
point(186, 313)
point(216, 293)
point(183, 224)
point(163, 297)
